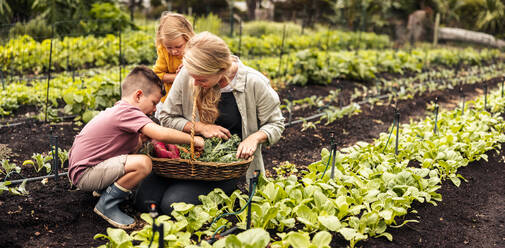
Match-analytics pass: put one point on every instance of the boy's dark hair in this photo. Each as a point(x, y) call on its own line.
point(141, 77)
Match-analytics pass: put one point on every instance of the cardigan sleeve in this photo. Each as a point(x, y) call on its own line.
point(172, 111)
point(270, 118)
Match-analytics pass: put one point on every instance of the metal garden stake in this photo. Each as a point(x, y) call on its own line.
point(436, 115)
point(333, 152)
point(485, 96)
point(240, 38)
point(462, 101)
point(503, 82)
point(56, 160)
point(156, 227)
point(2, 78)
point(397, 117)
point(282, 49)
point(49, 71)
point(120, 61)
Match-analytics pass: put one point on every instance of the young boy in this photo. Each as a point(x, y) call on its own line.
point(101, 157)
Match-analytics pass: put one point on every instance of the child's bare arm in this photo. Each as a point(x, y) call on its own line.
point(169, 135)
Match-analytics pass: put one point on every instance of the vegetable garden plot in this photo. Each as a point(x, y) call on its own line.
point(85, 218)
point(370, 193)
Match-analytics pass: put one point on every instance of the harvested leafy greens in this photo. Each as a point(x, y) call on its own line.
point(217, 150)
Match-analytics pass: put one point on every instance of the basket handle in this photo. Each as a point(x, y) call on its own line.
point(193, 123)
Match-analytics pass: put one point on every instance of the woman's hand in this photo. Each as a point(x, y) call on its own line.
point(248, 146)
point(210, 130)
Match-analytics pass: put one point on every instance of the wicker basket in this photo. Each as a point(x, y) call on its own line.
point(197, 170)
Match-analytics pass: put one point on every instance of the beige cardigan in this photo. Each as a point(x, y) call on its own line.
point(257, 103)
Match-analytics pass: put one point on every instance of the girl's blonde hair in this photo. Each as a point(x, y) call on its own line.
point(206, 55)
point(172, 26)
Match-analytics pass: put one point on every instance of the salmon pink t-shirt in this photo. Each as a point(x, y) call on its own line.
point(113, 132)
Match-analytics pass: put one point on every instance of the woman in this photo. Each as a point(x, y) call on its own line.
point(231, 99)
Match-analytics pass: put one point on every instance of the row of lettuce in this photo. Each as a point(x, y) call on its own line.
point(96, 89)
point(306, 59)
point(372, 189)
point(321, 67)
point(25, 55)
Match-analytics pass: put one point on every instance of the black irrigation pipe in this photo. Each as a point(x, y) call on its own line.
point(321, 114)
point(14, 124)
point(31, 179)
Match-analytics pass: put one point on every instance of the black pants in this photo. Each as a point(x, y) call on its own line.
point(165, 191)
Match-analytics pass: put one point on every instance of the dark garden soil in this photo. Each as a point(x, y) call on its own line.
point(473, 215)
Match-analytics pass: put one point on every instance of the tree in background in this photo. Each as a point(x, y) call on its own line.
point(310, 11)
point(200, 7)
point(5, 10)
point(251, 8)
point(106, 18)
point(484, 15)
point(68, 17)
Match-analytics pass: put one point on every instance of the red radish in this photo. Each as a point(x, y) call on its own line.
point(160, 150)
point(173, 148)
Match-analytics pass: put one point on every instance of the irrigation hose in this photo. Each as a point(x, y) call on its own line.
point(389, 137)
point(233, 213)
point(332, 154)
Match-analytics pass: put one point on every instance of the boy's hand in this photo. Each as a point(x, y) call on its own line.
point(142, 139)
point(199, 143)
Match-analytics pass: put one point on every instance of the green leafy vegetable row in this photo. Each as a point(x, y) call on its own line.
point(316, 67)
point(25, 55)
point(333, 40)
point(371, 190)
point(96, 90)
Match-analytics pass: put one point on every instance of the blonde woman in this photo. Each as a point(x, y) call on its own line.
point(173, 33)
point(231, 99)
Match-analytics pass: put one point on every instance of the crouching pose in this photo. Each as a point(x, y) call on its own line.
point(101, 156)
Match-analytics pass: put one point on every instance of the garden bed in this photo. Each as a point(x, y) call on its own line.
point(54, 215)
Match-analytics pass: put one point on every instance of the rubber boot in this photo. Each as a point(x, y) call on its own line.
point(108, 207)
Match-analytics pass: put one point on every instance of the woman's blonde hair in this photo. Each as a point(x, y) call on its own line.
point(207, 55)
point(172, 26)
